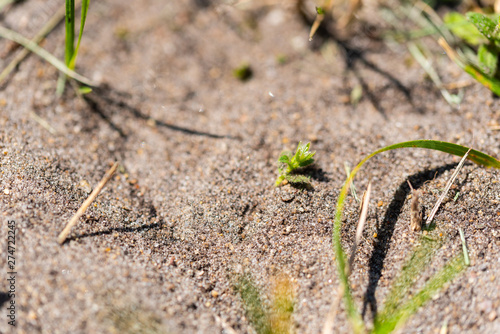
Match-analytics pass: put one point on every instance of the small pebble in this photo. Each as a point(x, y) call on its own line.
point(215, 294)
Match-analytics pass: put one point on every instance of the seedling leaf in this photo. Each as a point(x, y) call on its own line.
point(297, 179)
point(488, 58)
point(288, 164)
point(484, 24)
point(284, 157)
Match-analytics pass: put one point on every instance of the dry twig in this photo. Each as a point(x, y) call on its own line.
point(447, 188)
point(64, 234)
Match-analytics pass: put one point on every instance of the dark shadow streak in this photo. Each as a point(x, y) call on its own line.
point(101, 97)
point(385, 231)
point(96, 107)
point(352, 56)
point(145, 227)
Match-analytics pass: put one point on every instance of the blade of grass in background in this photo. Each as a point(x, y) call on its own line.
point(489, 82)
point(447, 273)
point(69, 24)
point(452, 99)
point(83, 18)
point(38, 50)
point(70, 52)
point(47, 28)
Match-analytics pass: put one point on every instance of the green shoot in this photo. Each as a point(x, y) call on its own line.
point(288, 165)
point(396, 312)
point(70, 52)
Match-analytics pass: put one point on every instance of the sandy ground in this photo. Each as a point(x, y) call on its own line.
point(193, 204)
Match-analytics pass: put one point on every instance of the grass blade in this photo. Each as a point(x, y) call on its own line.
point(48, 27)
point(464, 248)
point(447, 188)
point(446, 274)
point(417, 262)
point(38, 50)
point(361, 225)
point(426, 65)
point(85, 8)
point(70, 31)
point(257, 313)
point(489, 82)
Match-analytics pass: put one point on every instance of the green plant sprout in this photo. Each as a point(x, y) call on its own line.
point(288, 165)
point(398, 307)
point(481, 31)
point(70, 51)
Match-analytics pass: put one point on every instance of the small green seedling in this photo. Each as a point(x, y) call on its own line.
point(288, 165)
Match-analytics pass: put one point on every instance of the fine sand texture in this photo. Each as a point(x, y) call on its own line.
point(193, 207)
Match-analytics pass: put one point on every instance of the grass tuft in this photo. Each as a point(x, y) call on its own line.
point(395, 311)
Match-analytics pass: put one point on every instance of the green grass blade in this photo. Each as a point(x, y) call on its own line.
point(85, 8)
point(475, 156)
point(446, 274)
point(420, 258)
point(38, 50)
point(70, 31)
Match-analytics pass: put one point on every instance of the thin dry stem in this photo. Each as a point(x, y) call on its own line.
point(64, 234)
point(447, 188)
point(361, 225)
point(43, 123)
point(329, 324)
